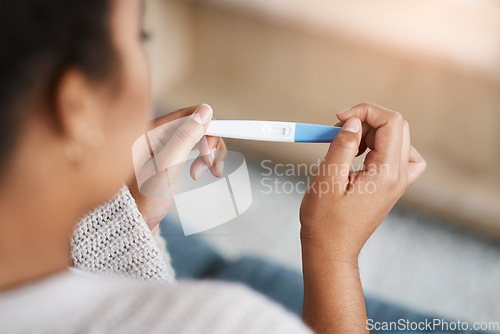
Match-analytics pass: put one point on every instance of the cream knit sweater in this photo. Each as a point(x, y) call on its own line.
point(124, 283)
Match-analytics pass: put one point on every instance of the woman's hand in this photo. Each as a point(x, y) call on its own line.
point(174, 136)
point(342, 208)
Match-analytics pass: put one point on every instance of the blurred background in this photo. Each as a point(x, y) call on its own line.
point(435, 61)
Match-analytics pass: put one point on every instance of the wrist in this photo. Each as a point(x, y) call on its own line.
point(328, 251)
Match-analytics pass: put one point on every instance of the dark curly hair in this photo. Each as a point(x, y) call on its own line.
point(39, 40)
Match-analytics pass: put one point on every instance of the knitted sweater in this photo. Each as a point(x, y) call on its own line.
point(124, 283)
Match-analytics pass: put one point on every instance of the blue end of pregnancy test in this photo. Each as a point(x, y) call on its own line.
point(313, 133)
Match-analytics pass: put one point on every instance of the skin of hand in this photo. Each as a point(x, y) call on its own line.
point(213, 153)
point(342, 208)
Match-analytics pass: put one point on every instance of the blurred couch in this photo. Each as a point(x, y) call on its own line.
point(436, 62)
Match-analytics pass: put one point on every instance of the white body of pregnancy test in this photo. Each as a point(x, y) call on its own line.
point(288, 132)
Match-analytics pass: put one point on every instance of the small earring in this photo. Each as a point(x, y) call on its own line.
point(75, 154)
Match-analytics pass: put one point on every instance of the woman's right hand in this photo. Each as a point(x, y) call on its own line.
point(342, 208)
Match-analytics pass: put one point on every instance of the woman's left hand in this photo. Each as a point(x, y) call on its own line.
point(183, 139)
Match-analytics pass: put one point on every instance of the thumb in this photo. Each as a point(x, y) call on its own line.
point(343, 150)
point(185, 138)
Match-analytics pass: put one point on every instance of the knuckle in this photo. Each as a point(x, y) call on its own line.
point(397, 118)
point(364, 106)
point(423, 166)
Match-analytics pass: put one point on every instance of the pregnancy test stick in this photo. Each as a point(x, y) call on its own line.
point(287, 132)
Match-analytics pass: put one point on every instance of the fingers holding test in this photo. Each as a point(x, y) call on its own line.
point(387, 134)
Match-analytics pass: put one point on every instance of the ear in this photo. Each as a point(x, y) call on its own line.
point(78, 105)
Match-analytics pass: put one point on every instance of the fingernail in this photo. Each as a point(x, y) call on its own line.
point(211, 157)
point(197, 118)
point(200, 171)
point(352, 125)
point(204, 114)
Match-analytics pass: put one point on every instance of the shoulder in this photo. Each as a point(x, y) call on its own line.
point(73, 304)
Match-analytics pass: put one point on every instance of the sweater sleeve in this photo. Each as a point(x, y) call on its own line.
point(115, 239)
